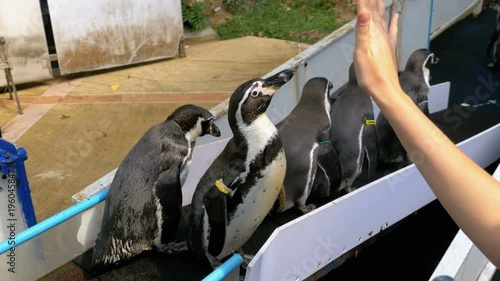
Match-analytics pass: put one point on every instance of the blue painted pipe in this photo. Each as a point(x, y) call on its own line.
point(222, 271)
point(55, 220)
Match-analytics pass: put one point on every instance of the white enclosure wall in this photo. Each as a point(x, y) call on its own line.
point(22, 27)
point(96, 34)
point(446, 13)
point(414, 28)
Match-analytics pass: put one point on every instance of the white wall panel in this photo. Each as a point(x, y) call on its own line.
point(98, 34)
point(22, 26)
point(446, 13)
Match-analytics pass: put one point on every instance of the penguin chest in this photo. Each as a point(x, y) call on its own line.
point(427, 75)
point(186, 162)
point(255, 205)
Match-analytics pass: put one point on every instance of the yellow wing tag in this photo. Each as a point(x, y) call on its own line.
point(370, 122)
point(222, 187)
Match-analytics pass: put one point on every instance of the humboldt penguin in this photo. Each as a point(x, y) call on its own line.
point(240, 187)
point(414, 81)
point(351, 113)
point(143, 206)
point(328, 174)
point(493, 46)
point(302, 132)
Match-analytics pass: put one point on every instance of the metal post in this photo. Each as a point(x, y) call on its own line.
point(8, 74)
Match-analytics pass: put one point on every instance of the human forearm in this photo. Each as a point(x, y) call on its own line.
point(472, 198)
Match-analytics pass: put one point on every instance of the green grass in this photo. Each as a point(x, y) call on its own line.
point(304, 21)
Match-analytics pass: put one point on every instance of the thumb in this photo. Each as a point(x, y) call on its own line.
point(393, 31)
point(362, 32)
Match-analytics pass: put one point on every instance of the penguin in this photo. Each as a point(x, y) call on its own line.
point(302, 132)
point(351, 113)
point(414, 81)
point(239, 188)
point(143, 206)
point(493, 46)
point(328, 176)
point(328, 173)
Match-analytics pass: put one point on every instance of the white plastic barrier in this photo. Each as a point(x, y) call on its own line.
point(334, 229)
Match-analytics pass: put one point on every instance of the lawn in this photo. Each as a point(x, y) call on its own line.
point(304, 21)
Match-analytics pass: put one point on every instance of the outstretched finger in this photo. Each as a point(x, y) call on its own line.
point(362, 41)
point(381, 8)
point(393, 31)
point(364, 6)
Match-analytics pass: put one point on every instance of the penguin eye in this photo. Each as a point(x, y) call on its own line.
point(254, 94)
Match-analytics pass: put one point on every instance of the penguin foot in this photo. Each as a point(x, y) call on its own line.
point(307, 209)
point(491, 65)
point(246, 260)
point(176, 247)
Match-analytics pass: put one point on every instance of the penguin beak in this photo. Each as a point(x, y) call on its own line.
point(213, 130)
point(209, 127)
point(279, 79)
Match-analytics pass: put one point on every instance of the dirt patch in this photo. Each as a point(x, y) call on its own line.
point(346, 10)
point(217, 12)
point(307, 35)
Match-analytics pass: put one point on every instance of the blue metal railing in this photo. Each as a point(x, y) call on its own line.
point(224, 269)
point(55, 220)
point(12, 159)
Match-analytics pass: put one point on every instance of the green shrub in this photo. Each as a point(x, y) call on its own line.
point(193, 15)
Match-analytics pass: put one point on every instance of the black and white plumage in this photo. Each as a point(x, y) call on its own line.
point(349, 115)
point(370, 146)
point(414, 81)
point(328, 173)
point(302, 132)
point(143, 206)
point(251, 169)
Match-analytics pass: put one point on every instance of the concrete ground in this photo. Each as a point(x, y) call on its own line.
point(78, 128)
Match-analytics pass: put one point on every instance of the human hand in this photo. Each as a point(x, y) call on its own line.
point(374, 52)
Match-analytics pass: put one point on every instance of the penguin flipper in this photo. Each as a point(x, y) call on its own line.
point(168, 191)
point(216, 208)
point(370, 145)
point(328, 160)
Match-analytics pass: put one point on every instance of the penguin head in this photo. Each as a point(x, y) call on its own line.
point(318, 89)
point(420, 60)
point(194, 121)
point(352, 74)
point(252, 98)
